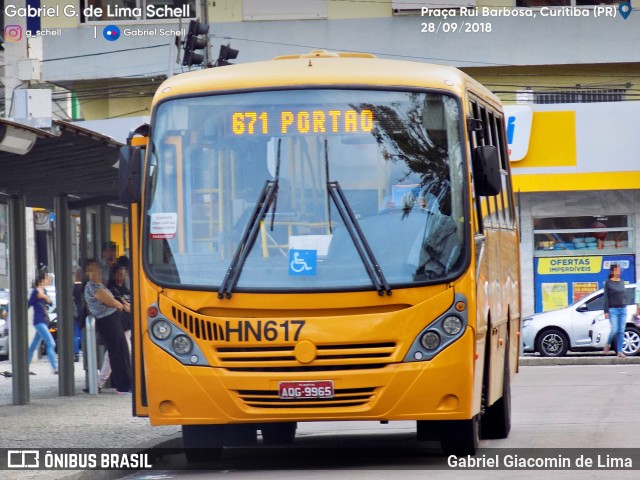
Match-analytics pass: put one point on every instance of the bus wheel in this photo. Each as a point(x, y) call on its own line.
point(461, 437)
point(279, 433)
point(496, 421)
point(202, 443)
point(241, 435)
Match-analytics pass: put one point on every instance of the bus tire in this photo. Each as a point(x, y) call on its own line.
point(279, 433)
point(496, 421)
point(241, 435)
point(202, 443)
point(461, 437)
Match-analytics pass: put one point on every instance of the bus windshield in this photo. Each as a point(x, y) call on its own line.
point(306, 190)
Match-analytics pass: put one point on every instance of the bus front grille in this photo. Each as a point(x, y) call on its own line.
point(352, 397)
point(328, 358)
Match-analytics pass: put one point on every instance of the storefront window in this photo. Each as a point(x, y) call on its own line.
point(583, 235)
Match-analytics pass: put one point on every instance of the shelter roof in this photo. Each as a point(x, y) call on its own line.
point(65, 160)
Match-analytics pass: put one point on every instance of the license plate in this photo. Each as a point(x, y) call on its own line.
point(298, 390)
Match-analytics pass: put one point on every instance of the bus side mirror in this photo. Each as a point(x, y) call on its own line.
point(129, 175)
point(486, 171)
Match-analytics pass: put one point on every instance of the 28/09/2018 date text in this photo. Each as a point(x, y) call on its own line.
point(455, 27)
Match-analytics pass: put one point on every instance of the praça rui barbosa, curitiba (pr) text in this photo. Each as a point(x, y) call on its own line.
point(444, 13)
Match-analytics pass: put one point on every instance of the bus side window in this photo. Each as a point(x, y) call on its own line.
point(502, 200)
point(507, 189)
point(484, 208)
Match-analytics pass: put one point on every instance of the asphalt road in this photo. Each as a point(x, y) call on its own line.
point(559, 412)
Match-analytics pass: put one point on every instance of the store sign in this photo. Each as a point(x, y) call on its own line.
point(518, 124)
point(564, 265)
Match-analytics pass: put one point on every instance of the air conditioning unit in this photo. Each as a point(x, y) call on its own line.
point(32, 106)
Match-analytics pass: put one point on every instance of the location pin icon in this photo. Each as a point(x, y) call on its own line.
point(625, 9)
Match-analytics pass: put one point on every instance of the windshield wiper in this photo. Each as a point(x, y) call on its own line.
point(369, 260)
point(268, 197)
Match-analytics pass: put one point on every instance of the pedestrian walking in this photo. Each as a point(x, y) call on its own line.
point(40, 302)
point(615, 308)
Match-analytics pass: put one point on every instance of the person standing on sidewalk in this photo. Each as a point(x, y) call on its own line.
point(615, 308)
point(107, 310)
point(117, 286)
point(40, 302)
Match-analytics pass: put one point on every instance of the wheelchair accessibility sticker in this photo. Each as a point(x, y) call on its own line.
point(303, 262)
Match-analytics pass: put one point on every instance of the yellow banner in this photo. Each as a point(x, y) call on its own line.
point(554, 296)
point(564, 265)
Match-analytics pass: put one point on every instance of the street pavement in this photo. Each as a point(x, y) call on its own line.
point(105, 421)
point(82, 421)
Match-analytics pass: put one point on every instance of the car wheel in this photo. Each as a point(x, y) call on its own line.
point(631, 343)
point(552, 343)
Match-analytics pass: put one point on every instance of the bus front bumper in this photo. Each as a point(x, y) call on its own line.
point(439, 389)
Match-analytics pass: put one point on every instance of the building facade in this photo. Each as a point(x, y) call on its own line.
point(576, 175)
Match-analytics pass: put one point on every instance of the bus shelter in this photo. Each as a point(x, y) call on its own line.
point(64, 169)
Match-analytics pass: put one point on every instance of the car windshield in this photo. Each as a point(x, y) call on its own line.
point(306, 189)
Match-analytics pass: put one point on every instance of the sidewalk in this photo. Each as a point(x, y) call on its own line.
point(86, 421)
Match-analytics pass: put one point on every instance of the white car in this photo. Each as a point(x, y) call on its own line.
point(578, 327)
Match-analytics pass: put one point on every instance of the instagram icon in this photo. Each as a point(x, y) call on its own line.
point(12, 33)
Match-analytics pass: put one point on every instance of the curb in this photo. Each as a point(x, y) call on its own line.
point(535, 361)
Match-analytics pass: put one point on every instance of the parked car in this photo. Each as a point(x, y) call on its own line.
point(578, 327)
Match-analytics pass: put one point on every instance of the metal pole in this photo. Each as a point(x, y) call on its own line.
point(64, 296)
point(91, 355)
point(205, 19)
point(18, 299)
point(103, 228)
point(84, 254)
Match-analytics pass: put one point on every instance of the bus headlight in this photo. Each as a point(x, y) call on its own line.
point(161, 329)
point(444, 330)
point(452, 325)
point(182, 345)
point(430, 340)
point(174, 339)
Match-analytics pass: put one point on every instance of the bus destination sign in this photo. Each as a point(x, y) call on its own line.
point(301, 122)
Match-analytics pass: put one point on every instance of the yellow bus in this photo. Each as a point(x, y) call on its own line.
point(323, 237)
